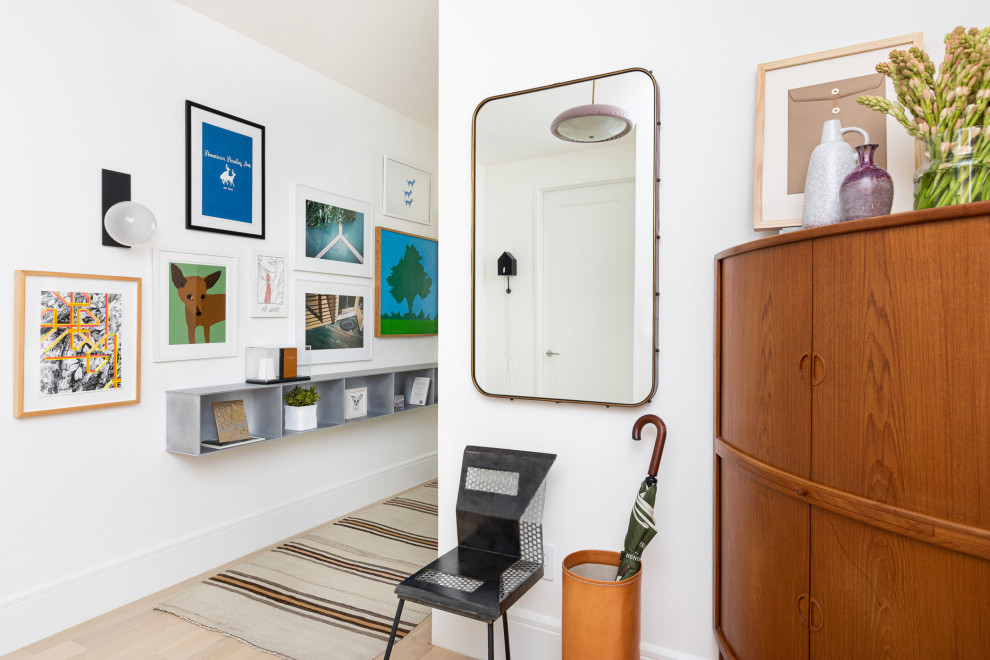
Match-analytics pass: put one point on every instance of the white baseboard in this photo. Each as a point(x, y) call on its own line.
point(47, 609)
point(537, 636)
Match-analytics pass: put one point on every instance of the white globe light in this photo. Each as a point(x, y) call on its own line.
point(130, 223)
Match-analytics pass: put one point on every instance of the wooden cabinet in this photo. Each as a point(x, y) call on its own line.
point(852, 440)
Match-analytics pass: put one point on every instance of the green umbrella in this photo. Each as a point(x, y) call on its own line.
point(642, 525)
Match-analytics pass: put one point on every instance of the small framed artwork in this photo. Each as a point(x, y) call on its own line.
point(270, 294)
point(195, 306)
point(796, 96)
point(356, 402)
point(407, 192)
point(329, 317)
point(88, 349)
point(225, 173)
point(232, 424)
point(406, 302)
point(332, 233)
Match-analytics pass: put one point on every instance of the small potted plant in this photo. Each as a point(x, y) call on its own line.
point(300, 408)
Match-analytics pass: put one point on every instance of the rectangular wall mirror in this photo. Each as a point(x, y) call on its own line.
point(564, 192)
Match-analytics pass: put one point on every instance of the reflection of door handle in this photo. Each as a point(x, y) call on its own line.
point(551, 353)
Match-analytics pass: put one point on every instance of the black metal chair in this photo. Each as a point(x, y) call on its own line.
point(499, 553)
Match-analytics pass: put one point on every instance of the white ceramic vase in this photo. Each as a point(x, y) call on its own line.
point(831, 161)
point(300, 418)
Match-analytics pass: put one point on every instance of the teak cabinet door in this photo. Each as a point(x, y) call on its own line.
point(763, 557)
point(887, 597)
point(902, 323)
point(764, 343)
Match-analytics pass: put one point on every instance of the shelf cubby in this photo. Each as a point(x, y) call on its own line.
point(190, 423)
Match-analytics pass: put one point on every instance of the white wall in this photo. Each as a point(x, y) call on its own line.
point(93, 512)
point(510, 225)
point(704, 57)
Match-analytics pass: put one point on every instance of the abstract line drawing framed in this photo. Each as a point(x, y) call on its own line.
point(332, 233)
point(787, 93)
point(225, 173)
point(195, 307)
point(406, 274)
point(406, 192)
point(330, 318)
point(77, 342)
point(269, 291)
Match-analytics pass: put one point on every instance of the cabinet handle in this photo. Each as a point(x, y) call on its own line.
point(804, 367)
point(803, 598)
point(815, 607)
point(817, 369)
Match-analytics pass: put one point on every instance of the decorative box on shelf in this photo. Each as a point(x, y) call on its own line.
point(276, 365)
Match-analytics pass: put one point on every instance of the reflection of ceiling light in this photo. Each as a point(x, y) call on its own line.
point(592, 123)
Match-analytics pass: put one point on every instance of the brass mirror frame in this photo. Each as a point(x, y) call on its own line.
point(656, 235)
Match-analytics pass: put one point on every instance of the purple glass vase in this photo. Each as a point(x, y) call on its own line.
point(868, 190)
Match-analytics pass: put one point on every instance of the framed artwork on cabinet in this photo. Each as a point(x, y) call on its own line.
point(794, 97)
point(330, 318)
point(195, 307)
point(406, 271)
point(225, 173)
point(406, 192)
point(77, 342)
point(332, 233)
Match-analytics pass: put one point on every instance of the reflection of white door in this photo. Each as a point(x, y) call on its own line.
point(587, 294)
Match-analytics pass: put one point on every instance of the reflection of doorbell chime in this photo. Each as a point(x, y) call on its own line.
point(507, 267)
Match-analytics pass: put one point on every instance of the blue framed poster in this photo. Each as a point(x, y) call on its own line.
point(225, 173)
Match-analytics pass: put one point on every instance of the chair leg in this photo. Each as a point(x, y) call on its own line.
point(395, 628)
point(491, 640)
point(505, 629)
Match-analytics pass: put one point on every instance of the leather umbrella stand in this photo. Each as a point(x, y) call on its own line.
point(600, 616)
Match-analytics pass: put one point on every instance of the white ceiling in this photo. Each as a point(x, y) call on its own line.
point(387, 50)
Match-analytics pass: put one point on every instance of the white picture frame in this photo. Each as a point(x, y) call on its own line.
point(269, 273)
point(312, 304)
point(407, 191)
point(171, 314)
point(338, 248)
point(356, 403)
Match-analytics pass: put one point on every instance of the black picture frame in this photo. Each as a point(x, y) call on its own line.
point(231, 200)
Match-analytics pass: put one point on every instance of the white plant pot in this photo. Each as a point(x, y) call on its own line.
point(300, 418)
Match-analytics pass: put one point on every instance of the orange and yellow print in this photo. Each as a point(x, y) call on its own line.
point(80, 341)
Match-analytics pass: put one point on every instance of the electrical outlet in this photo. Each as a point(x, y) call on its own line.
point(549, 565)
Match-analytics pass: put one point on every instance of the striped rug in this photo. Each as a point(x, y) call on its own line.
point(329, 593)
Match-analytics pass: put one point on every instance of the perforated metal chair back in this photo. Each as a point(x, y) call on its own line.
point(499, 555)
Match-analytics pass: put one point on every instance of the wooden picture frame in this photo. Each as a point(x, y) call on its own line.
point(407, 192)
point(174, 311)
point(332, 233)
point(331, 318)
point(103, 331)
point(225, 173)
point(774, 205)
point(420, 317)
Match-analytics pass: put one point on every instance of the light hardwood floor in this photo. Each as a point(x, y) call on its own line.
point(138, 632)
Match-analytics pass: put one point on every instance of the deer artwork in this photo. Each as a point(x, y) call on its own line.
point(227, 178)
point(202, 308)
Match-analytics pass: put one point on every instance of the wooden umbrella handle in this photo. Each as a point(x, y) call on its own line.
point(661, 437)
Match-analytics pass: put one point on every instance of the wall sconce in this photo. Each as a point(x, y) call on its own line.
point(507, 267)
point(125, 223)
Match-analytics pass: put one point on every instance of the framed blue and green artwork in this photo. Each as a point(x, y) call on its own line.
point(225, 173)
point(333, 233)
point(405, 284)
